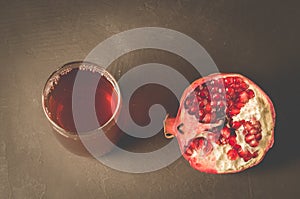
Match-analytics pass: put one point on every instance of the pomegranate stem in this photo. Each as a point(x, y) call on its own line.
point(169, 129)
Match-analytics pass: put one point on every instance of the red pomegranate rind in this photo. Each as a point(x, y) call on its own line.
point(222, 109)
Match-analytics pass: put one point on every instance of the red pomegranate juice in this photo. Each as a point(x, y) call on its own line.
point(58, 101)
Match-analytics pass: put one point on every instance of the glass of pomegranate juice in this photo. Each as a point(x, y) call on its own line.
point(82, 102)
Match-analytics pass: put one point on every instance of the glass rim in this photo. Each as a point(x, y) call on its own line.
point(106, 74)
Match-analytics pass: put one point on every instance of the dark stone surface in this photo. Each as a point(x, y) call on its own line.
point(255, 38)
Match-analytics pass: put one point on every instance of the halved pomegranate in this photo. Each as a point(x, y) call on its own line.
point(225, 124)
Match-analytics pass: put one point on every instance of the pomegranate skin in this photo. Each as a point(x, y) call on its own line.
point(257, 111)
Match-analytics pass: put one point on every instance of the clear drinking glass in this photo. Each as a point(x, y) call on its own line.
point(82, 102)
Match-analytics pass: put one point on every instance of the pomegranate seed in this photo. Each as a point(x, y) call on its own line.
point(237, 88)
point(247, 126)
point(220, 82)
point(188, 102)
point(236, 125)
point(193, 110)
point(230, 91)
point(256, 124)
point(244, 86)
point(244, 97)
point(222, 104)
point(234, 111)
point(212, 82)
point(253, 143)
point(232, 154)
point(201, 117)
point(199, 143)
point(252, 131)
point(201, 104)
point(198, 99)
point(188, 151)
point(208, 108)
point(237, 147)
point(250, 93)
point(243, 153)
point(214, 90)
point(221, 90)
point(232, 140)
point(204, 94)
point(225, 132)
point(195, 97)
point(192, 144)
point(217, 97)
point(238, 80)
point(249, 153)
point(249, 138)
point(230, 105)
point(228, 80)
point(255, 154)
point(201, 112)
point(214, 103)
point(223, 140)
point(258, 136)
point(240, 105)
point(207, 118)
point(247, 158)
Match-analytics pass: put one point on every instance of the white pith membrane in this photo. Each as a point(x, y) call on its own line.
point(217, 160)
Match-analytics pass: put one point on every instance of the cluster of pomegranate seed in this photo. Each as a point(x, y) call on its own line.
point(226, 135)
point(237, 95)
point(200, 144)
point(207, 102)
point(252, 132)
point(210, 103)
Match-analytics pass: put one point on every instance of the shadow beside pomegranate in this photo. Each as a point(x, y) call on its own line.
point(139, 106)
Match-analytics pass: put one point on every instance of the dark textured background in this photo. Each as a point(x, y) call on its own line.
point(259, 39)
